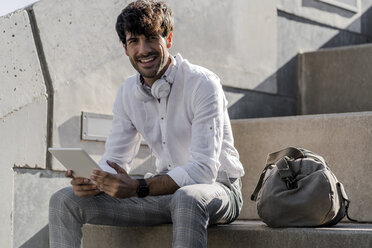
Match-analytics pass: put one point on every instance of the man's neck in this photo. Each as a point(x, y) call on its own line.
point(151, 81)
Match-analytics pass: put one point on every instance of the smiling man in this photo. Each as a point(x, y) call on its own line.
point(180, 110)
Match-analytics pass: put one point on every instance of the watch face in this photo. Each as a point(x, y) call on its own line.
point(143, 190)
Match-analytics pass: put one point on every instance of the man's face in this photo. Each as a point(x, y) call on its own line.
point(148, 54)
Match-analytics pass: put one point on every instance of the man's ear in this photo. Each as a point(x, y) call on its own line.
point(169, 40)
point(125, 48)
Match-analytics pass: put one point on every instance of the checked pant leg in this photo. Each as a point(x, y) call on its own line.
point(194, 207)
point(191, 208)
point(68, 212)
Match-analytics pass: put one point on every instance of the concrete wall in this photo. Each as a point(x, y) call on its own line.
point(23, 112)
point(335, 80)
point(227, 37)
point(32, 191)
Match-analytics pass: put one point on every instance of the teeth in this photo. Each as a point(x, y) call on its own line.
point(146, 60)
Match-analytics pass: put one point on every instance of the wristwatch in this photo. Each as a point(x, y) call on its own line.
point(143, 189)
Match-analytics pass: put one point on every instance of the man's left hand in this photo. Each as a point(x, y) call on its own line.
point(119, 185)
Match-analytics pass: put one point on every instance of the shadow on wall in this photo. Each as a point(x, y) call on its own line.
point(255, 104)
point(39, 240)
point(69, 134)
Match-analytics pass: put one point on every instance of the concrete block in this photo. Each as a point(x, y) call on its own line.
point(20, 74)
point(23, 144)
point(32, 191)
point(239, 234)
point(204, 35)
point(335, 80)
point(344, 140)
point(23, 110)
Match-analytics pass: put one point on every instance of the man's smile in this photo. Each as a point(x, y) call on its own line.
point(147, 61)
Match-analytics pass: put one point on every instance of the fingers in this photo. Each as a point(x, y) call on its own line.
point(69, 174)
point(80, 181)
point(103, 179)
point(116, 167)
point(83, 187)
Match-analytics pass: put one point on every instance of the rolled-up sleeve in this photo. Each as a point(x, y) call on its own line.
point(208, 105)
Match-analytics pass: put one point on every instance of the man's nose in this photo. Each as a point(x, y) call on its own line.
point(144, 47)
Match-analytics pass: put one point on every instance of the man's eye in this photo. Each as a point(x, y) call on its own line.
point(131, 41)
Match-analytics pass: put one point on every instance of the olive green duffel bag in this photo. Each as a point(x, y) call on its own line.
point(297, 189)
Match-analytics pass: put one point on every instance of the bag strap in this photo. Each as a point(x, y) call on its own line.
point(272, 158)
point(345, 199)
point(260, 181)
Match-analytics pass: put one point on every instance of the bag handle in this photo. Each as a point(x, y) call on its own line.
point(272, 158)
point(290, 152)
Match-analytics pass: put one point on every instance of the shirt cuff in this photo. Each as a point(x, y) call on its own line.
point(181, 177)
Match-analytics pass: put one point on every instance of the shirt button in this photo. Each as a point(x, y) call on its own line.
point(162, 118)
point(163, 142)
point(169, 166)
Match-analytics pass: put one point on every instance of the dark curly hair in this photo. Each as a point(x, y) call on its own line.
point(145, 17)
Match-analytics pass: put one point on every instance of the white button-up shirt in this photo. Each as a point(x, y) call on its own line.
point(189, 131)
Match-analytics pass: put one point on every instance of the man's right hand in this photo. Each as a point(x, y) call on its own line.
point(82, 187)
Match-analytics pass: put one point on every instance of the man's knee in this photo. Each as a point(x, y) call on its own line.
point(188, 197)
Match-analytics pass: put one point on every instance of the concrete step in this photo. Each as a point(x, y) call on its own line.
point(239, 234)
point(335, 80)
point(344, 140)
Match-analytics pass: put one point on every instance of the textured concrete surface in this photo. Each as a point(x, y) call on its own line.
point(328, 14)
point(22, 112)
point(335, 80)
point(226, 37)
point(32, 190)
point(20, 73)
point(252, 234)
point(344, 140)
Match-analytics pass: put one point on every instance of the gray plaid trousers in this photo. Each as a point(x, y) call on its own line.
point(191, 209)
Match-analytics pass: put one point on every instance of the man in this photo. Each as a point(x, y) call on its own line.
point(180, 110)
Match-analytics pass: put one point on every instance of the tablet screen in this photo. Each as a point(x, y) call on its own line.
point(75, 159)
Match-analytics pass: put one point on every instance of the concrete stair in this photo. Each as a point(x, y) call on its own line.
point(239, 234)
point(343, 139)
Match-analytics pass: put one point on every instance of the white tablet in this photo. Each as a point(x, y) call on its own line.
point(75, 159)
